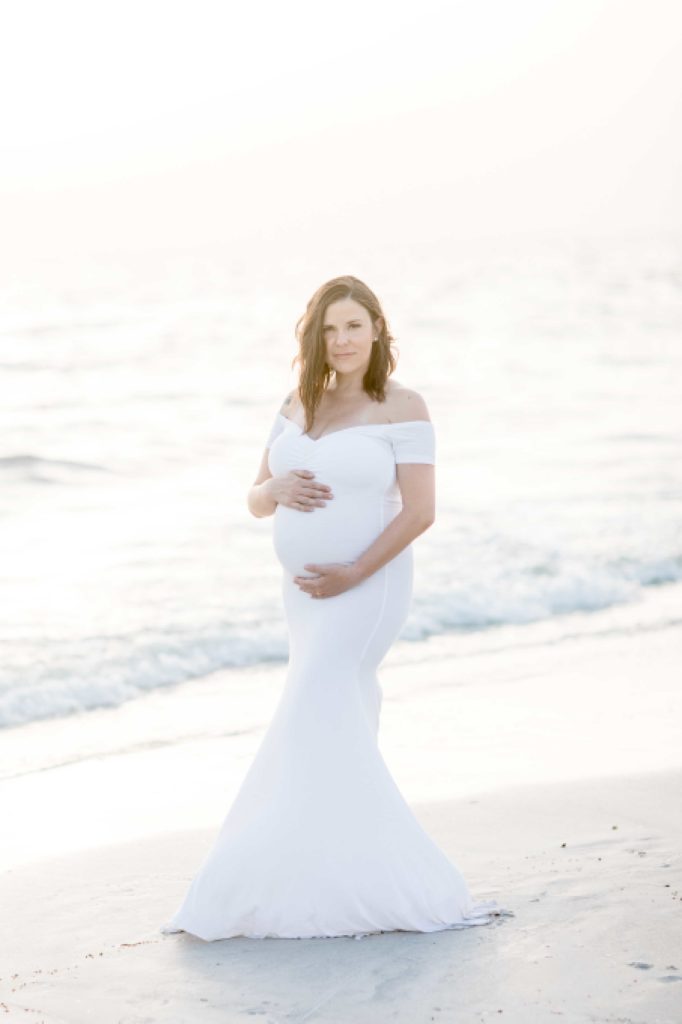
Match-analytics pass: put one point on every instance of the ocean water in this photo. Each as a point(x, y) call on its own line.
point(138, 392)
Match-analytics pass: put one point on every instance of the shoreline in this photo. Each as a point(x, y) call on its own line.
point(458, 719)
point(248, 693)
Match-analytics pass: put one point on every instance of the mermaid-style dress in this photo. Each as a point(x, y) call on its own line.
point(319, 841)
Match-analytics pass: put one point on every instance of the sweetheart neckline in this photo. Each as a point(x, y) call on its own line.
point(356, 426)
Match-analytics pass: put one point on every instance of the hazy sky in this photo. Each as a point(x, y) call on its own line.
point(143, 123)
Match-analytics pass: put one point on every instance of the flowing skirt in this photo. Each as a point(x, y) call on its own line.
point(319, 841)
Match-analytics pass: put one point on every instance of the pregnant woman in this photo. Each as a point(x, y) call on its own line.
point(319, 840)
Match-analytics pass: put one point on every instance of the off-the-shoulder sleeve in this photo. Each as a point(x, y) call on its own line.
point(276, 429)
point(414, 441)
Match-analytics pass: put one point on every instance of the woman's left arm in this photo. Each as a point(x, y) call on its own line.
point(418, 491)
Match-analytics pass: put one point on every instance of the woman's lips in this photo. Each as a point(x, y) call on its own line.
point(344, 355)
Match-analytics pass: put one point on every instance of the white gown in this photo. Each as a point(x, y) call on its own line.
point(319, 841)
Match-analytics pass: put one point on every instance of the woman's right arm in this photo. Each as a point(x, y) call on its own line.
point(294, 489)
point(260, 499)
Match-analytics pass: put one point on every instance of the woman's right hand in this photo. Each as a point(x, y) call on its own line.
point(297, 490)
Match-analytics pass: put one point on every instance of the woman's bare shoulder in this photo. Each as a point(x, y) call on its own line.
point(290, 404)
point(404, 404)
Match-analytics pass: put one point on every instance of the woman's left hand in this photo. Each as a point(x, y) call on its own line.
point(331, 580)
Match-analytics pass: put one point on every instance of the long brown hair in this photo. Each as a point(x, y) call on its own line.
point(315, 372)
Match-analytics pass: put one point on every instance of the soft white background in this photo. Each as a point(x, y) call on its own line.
point(147, 123)
point(177, 179)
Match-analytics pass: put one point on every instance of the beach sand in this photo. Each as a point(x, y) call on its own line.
point(546, 760)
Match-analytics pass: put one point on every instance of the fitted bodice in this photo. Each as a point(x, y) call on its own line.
point(359, 464)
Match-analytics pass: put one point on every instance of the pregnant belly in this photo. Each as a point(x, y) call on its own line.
point(338, 532)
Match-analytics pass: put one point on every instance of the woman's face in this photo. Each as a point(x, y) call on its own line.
point(348, 334)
